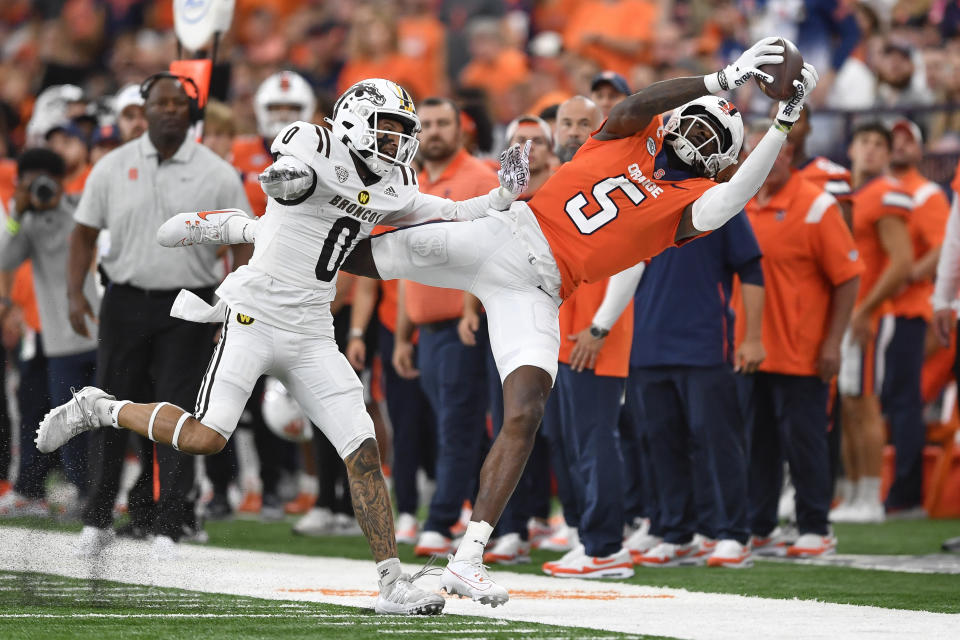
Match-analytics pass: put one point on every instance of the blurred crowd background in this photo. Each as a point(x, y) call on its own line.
point(501, 58)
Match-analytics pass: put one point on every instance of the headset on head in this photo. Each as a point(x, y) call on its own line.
point(196, 113)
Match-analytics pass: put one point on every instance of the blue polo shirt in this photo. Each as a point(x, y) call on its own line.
point(682, 306)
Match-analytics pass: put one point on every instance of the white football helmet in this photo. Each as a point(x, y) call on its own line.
point(282, 88)
point(721, 117)
point(356, 122)
point(50, 110)
point(283, 415)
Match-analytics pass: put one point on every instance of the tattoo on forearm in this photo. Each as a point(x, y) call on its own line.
point(371, 501)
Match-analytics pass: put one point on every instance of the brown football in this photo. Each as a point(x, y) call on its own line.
point(784, 73)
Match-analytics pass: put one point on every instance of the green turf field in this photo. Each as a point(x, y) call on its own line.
point(927, 592)
point(43, 607)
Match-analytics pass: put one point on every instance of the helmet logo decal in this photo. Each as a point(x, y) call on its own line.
point(406, 102)
point(369, 92)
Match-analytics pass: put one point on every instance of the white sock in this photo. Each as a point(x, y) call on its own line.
point(309, 484)
point(845, 490)
point(868, 490)
point(389, 571)
point(108, 411)
point(474, 541)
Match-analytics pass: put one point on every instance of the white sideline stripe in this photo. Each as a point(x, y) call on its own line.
point(676, 612)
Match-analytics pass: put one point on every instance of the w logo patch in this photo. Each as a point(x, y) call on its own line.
point(244, 319)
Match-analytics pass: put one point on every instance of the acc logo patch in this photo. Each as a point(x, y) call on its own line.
point(363, 197)
point(651, 147)
point(781, 215)
point(342, 173)
point(244, 319)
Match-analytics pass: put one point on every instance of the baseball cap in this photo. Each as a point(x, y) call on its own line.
point(612, 78)
point(106, 135)
point(68, 128)
point(910, 126)
point(127, 96)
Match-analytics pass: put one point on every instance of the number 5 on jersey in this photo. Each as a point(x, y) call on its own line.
point(608, 208)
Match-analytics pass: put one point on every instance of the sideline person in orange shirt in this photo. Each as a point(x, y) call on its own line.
point(411, 417)
point(906, 327)
point(881, 208)
point(811, 272)
point(452, 374)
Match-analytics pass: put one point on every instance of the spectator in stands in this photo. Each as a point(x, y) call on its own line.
point(219, 129)
point(143, 350)
point(809, 255)
point(905, 329)
point(39, 225)
point(901, 81)
point(494, 67)
point(128, 107)
point(881, 208)
point(452, 374)
point(607, 89)
point(616, 34)
point(374, 53)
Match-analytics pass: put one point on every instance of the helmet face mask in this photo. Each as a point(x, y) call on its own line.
point(284, 89)
point(357, 121)
point(724, 124)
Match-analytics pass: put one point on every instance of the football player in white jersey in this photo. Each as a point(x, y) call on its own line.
point(328, 191)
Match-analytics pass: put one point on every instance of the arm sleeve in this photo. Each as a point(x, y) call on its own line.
point(723, 201)
point(948, 268)
point(620, 290)
point(14, 249)
point(426, 207)
point(92, 209)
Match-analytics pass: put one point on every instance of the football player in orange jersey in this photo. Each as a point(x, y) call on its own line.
point(881, 207)
point(636, 187)
point(282, 98)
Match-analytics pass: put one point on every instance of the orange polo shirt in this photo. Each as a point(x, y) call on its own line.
point(75, 186)
point(807, 251)
point(497, 77)
point(880, 197)
point(927, 224)
point(576, 314)
point(624, 20)
point(955, 185)
point(251, 155)
point(465, 177)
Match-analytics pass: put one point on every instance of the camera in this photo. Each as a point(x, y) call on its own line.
point(43, 191)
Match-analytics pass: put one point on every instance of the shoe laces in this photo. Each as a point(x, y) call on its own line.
point(87, 417)
point(198, 231)
point(480, 569)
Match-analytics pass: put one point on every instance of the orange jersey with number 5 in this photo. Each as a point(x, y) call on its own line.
point(615, 204)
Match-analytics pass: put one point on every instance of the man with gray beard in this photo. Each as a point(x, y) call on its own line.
point(577, 118)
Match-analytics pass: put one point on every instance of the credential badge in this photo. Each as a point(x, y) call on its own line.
point(651, 147)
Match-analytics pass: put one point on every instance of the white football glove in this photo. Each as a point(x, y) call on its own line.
point(790, 109)
point(747, 66)
point(514, 171)
point(286, 179)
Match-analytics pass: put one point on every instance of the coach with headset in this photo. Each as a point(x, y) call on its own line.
point(144, 353)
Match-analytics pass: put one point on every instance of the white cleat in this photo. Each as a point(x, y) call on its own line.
point(407, 529)
point(92, 541)
point(406, 599)
point(72, 418)
point(165, 549)
point(319, 521)
point(469, 579)
point(223, 226)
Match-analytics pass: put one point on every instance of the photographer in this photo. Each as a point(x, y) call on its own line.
point(38, 228)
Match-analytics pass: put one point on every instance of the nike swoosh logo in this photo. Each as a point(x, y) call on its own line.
point(603, 563)
point(676, 186)
point(203, 214)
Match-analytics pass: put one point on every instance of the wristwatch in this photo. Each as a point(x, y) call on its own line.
point(598, 333)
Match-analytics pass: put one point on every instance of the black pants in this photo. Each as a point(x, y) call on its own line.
point(5, 431)
point(146, 356)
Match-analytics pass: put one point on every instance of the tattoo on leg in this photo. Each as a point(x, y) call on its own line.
point(371, 501)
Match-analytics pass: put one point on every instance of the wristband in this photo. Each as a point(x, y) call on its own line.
point(13, 227)
point(356, 332)
point(716, 82)
point(780, 126)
